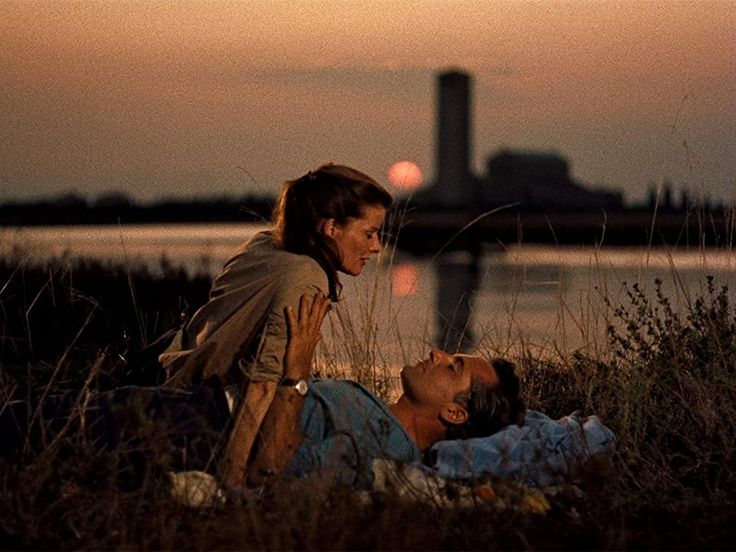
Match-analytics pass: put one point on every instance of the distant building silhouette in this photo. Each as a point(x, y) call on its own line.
point(536, 180)
point(453, 139)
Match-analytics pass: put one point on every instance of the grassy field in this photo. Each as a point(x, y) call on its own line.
point(664, 381)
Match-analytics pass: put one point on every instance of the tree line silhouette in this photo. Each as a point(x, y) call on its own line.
point(118, 208)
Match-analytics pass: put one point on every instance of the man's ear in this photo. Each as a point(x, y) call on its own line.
point(453, 413)
point(329, 227)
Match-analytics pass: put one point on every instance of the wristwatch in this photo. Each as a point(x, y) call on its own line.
point(300, 386)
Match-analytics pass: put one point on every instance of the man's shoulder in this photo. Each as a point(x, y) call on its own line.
point(339, 386)
point(348, 398)
point(354, 410)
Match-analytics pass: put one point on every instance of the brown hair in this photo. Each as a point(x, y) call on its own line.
point(490, 407)
point(330, 192)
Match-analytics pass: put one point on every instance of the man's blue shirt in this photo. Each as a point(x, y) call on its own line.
point(345, 428)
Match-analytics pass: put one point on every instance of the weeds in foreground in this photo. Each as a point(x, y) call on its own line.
point(58, 318)
point(667, 390)
point(675, 397)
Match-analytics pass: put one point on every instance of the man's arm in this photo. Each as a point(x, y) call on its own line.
point(267, 369)
point(280, 435)
point(249, 417)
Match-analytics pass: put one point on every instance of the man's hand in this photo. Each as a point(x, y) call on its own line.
point(303, 335)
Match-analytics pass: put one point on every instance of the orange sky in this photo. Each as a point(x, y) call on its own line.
point(182, 98)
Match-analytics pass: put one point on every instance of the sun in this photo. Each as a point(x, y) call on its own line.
point(404, 279)
point(405, 175)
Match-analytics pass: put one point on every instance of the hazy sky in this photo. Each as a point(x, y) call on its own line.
point(198, 98)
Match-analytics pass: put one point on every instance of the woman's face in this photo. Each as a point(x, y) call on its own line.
point(357, 239)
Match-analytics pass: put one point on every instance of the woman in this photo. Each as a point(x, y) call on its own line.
point(326, 222)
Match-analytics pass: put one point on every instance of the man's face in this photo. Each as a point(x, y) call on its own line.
point(436, 381)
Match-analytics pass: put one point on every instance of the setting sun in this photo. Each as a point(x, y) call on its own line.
point(405, 175)
point(404, 279)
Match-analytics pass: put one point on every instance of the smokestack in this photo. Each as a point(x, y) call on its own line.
point(453, 139)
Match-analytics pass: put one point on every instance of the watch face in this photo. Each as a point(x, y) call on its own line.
point(301, 387)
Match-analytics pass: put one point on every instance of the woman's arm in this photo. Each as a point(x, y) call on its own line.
point(280, 435)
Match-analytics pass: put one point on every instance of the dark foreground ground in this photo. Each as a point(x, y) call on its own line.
point(668, 390)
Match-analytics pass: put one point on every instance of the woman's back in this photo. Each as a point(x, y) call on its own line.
point(241, 331)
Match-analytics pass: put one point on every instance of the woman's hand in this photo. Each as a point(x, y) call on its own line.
point(304, 335)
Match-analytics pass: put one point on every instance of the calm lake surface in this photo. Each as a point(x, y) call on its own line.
point(544, 297)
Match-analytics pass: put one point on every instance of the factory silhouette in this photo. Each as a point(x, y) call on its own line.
point(534, 180)
point(530, 196)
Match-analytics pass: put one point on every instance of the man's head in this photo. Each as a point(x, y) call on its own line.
point(468, 395)
point(490, 407)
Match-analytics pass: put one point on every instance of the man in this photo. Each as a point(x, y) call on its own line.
point(311, 425)
point(339, 426)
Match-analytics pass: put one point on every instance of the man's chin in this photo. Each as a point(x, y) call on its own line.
point(403, 377)
point(407, 374)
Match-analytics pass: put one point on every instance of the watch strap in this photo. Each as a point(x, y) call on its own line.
point(300, 386)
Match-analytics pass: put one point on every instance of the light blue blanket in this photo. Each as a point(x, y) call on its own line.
point(542, 452)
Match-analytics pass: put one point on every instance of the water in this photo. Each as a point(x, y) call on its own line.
point(544, 297)
point(197, 247)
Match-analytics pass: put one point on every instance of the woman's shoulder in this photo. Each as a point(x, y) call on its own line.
point(301, 274)
point(260, 254)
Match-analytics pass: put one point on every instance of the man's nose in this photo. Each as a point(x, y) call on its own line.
point(437, 355)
